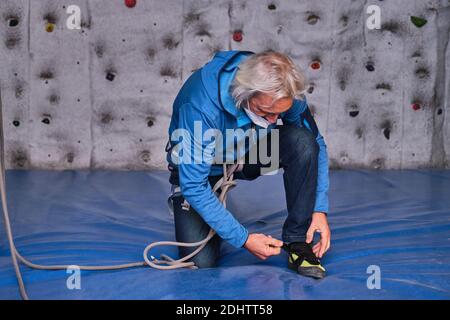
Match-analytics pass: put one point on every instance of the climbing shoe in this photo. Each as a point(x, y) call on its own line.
point(303, 260)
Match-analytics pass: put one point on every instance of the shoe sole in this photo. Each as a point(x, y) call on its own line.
point(311, 272)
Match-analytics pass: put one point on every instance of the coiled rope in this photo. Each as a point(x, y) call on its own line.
point(165, 263)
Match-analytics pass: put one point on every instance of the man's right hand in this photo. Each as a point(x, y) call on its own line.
point(263, 246)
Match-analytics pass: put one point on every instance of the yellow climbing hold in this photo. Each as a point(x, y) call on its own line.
point(49, 27)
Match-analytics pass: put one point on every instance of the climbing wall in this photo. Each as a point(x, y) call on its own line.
point(100, 97)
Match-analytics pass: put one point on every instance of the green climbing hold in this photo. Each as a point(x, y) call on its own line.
point(418, 22)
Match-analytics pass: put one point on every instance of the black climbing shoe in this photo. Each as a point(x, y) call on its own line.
point(303, 260)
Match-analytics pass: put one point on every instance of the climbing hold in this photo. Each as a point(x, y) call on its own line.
point(70, 157)
point(13, 22)
point(168, 71)
point(130, 3)
point(110, 76)
point(46, 74)
point(383, 86)
point(49, 27)
point(370, 67)
point(237, 36)
point(418, 22)
point(312, 19)
point(353, 113)
point(145, 156)
point(416, 106)
point(150, 121)
point(344, 21)
point(344, 158)
point(279, 29)
point(387, 133)
point(378, 163)
point(46, 121)
point(311, 88)
point(106, 118)
point(272, 7)
point(439, 112)
point(315, 65)
point(422, 73)
point(16, 123)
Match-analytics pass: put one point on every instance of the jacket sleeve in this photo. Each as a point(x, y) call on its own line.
point(300, 115)
point(194, 168)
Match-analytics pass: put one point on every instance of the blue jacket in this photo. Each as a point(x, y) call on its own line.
point(204, 98)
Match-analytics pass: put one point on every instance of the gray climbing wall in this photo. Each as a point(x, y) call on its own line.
point(100, 97)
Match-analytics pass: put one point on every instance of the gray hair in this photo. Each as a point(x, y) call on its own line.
point(267, 72)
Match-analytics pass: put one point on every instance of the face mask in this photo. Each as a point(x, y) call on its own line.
point(258, 120)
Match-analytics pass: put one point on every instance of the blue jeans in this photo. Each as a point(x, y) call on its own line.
point(298, 156)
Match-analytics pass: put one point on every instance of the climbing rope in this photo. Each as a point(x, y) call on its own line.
point(165, 263)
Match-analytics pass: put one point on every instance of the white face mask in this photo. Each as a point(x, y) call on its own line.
point(258, 120)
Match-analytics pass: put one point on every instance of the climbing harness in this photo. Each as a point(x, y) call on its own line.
point(165, 262)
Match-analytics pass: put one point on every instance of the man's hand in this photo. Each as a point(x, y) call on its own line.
point(319, 223)
point(263, 246)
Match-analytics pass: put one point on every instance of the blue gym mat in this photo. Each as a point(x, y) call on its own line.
point(396, 220)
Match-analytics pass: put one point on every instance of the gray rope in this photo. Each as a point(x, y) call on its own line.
point(166, 262)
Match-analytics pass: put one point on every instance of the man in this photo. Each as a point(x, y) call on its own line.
point(248, 91)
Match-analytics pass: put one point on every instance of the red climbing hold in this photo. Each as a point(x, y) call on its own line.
point(416, 106)
point(237, 36)
point(130, 3)
point(315, 65)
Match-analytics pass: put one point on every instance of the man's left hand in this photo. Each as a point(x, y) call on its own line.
point(319, 224)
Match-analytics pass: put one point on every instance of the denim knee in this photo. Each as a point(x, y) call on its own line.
point(298, 141)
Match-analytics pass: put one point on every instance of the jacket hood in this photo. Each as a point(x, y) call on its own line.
point(210, 72)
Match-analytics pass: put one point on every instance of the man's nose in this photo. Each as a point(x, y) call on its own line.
point(272, 118)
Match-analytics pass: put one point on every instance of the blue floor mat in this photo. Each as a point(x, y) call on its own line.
point(396, 220)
